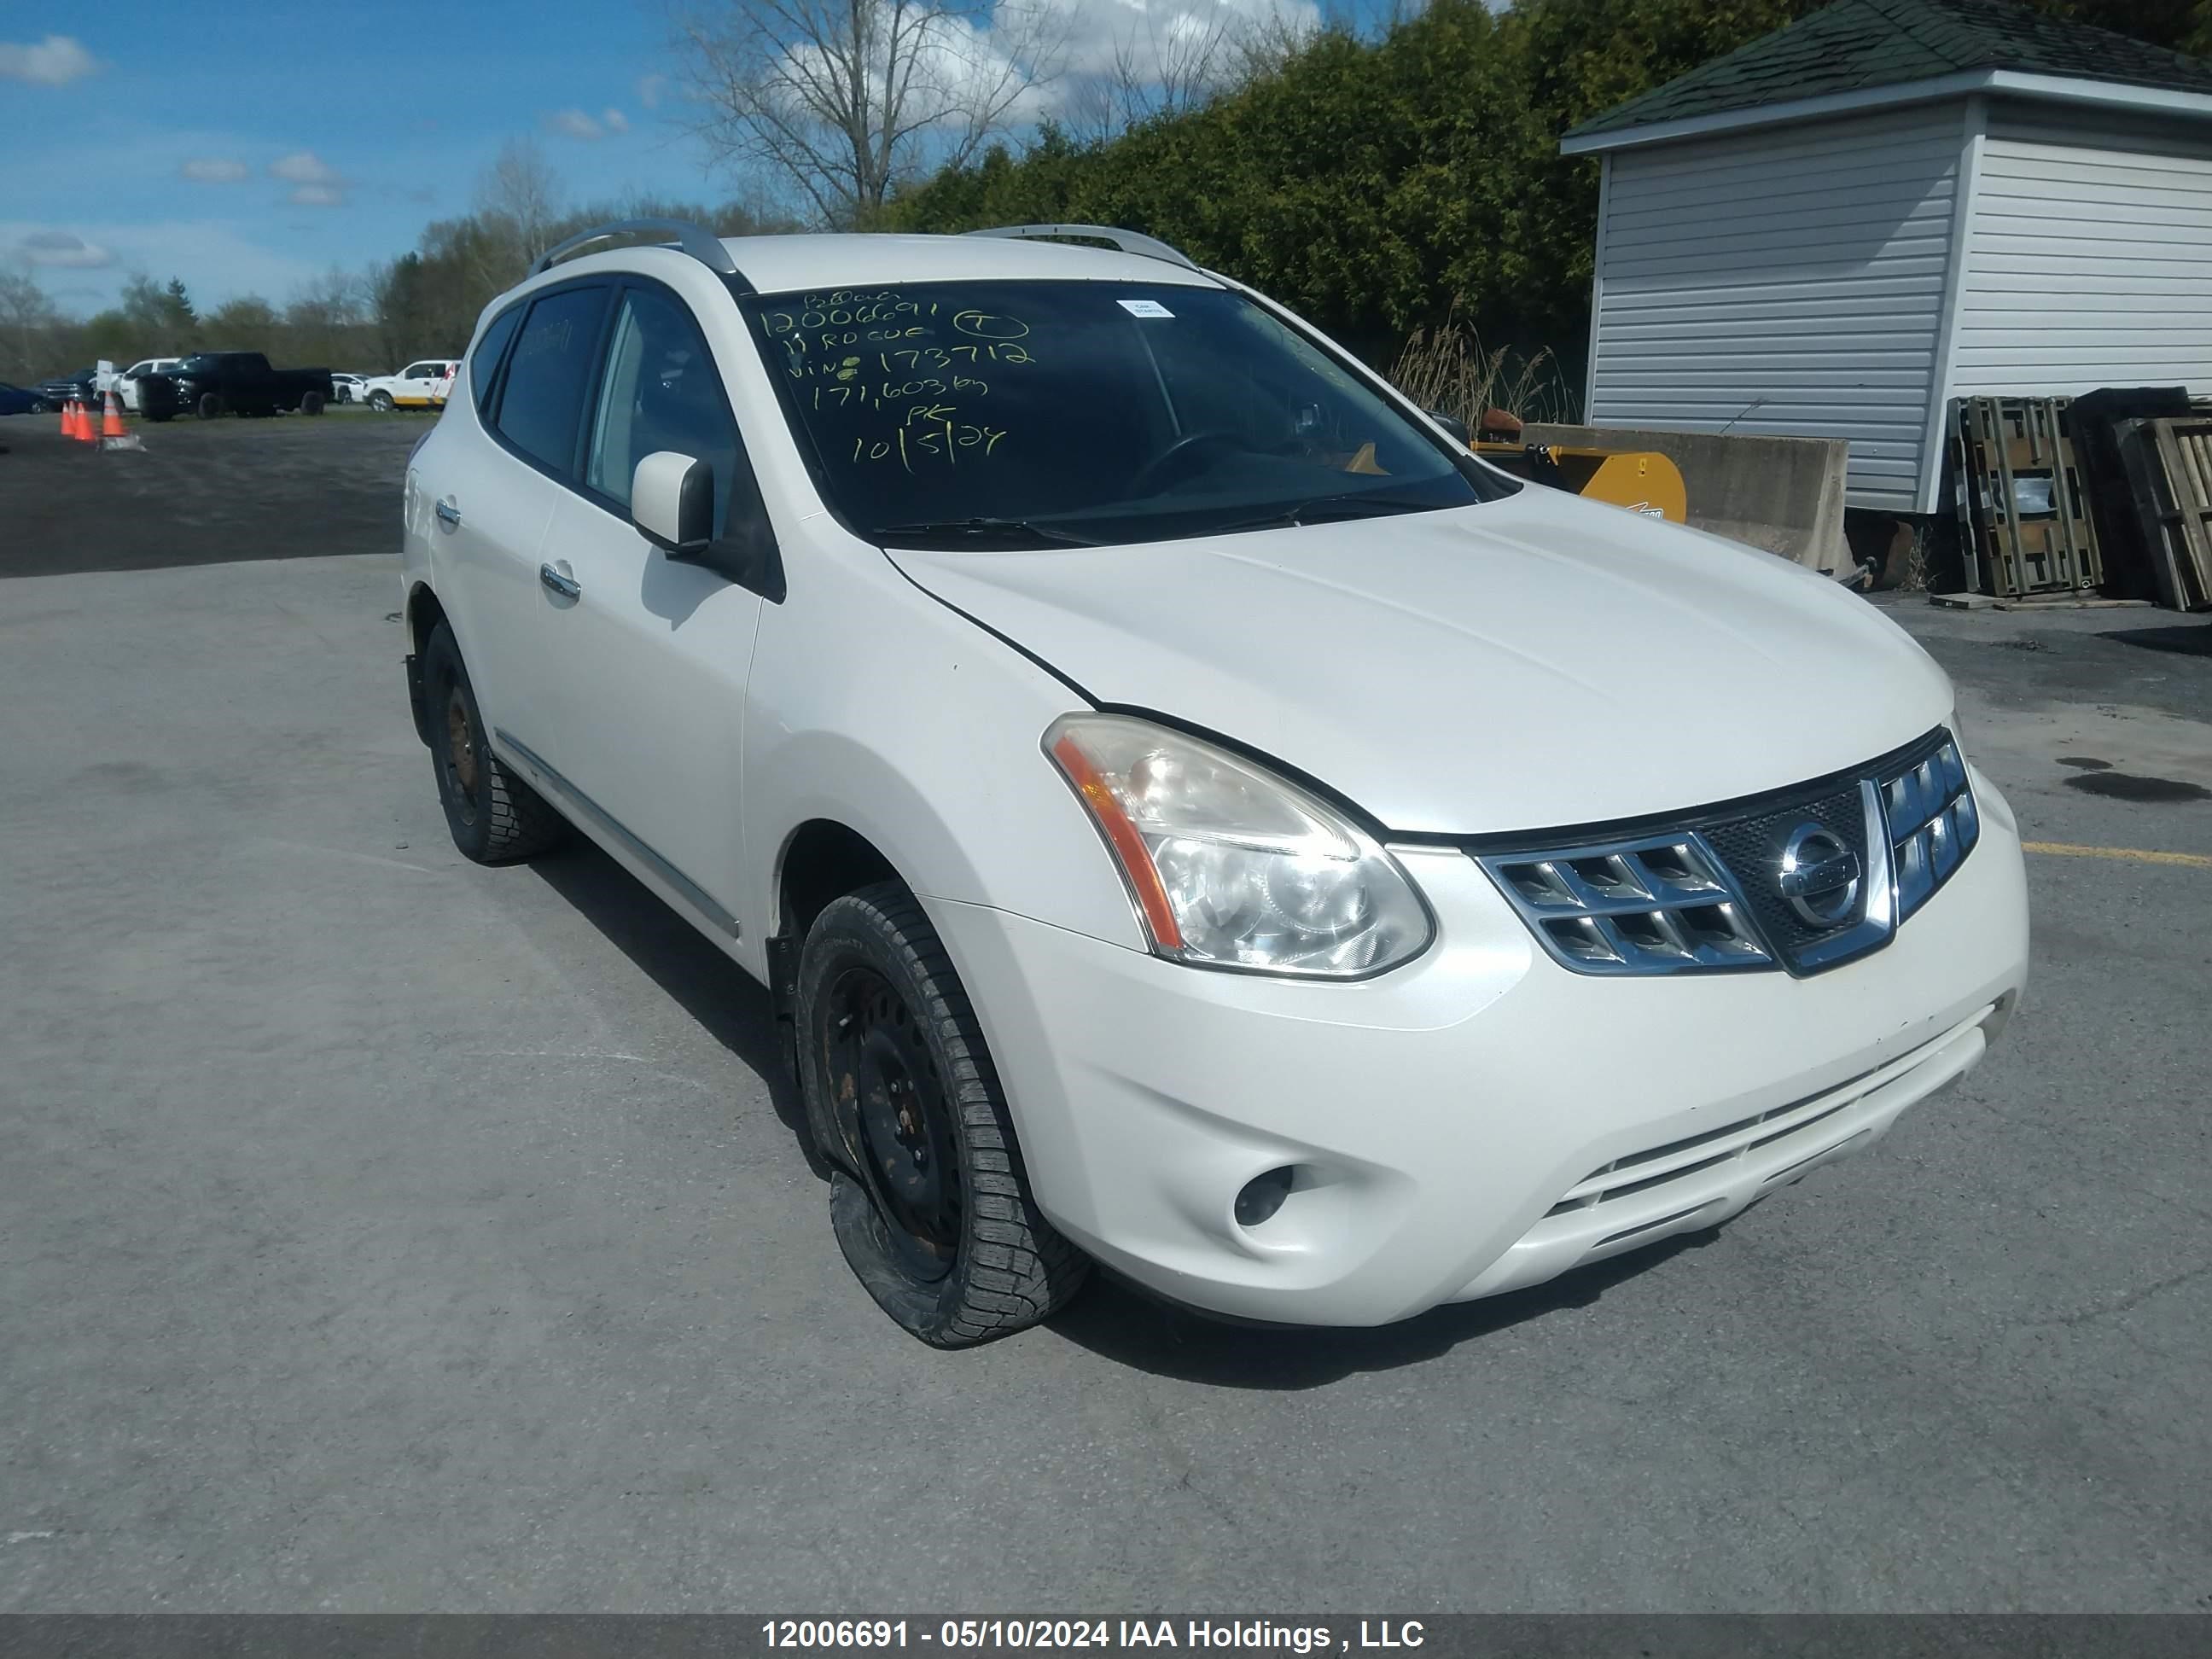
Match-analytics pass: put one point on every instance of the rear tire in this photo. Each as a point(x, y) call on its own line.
point(39, 406)
point(494, 817)
point(928, 1196)
point(311, 403)
point(210, 406)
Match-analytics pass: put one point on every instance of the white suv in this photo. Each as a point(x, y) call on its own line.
point(1192, 814)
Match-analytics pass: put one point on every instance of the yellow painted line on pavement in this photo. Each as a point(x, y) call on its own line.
point(2125, 854)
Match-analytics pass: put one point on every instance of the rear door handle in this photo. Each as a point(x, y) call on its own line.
point(448, 514)
point(559, 581)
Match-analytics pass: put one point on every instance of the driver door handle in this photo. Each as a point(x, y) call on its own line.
point(559, 581)
point(448, 514)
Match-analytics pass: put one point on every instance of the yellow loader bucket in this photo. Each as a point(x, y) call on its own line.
point(1639, 480)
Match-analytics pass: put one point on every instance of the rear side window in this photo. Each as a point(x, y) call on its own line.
point(541, 399)
point(661, 391)
point(485, 361)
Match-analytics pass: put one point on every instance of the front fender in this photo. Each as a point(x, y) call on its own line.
point(875, 706)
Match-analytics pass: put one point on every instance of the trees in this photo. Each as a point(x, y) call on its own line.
point(518, 205)
point(1376, 185)
point(29, 326)
point(843, 100)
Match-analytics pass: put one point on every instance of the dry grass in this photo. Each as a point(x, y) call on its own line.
point(1447, 368)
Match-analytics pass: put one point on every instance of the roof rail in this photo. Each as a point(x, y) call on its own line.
point(697, 240)
point(1128, 241)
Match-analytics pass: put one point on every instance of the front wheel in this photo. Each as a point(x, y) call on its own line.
point(929, 1197)
point(40, 406)
point(210, 406)
point(380, 402)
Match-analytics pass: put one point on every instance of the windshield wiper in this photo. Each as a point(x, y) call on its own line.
point(977, 529)
point(1321, 509)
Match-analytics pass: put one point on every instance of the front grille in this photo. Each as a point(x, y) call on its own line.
point(1635, 907)
point(1932, 825)
point(1804, 879)
point(1752, 848)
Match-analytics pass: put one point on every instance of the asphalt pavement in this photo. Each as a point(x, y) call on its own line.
point(381, 1233)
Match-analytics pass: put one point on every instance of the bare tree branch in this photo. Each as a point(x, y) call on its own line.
point(845, 99)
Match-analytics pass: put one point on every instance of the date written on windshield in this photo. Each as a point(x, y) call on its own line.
point(931, 434)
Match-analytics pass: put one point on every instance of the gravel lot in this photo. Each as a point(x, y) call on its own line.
point(385, 1233)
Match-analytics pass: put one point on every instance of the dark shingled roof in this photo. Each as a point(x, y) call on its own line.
point(1856, 45)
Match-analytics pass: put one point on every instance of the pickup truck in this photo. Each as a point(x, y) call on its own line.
point(213, 383)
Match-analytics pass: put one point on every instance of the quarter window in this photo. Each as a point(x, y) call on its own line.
point(485, 360)
point(543, 398)
point(660, 391)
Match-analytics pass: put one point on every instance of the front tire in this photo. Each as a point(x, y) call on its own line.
point(929, 1197)
point(210, 406)
point(40, 406)
point(380, 402)
point(494, 817)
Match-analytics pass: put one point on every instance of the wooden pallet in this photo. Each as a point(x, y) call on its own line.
point(2023, 513)
point(2169, 468)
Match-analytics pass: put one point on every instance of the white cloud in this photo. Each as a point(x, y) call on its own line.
point(316, 196)
point(1159, 40)
point(213, 170)
point(63, 248)
point(648, 89)
point(216, 259)
point(614, 119)
point(54, 62)
point(304, 167)
point(573, 124)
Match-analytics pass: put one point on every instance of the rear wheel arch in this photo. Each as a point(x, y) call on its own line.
point(424, 614)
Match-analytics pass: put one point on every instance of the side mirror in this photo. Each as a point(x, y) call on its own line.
point(671, 502)
point(1451, 423)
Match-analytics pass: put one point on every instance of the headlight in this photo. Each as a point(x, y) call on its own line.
point(1230, 865)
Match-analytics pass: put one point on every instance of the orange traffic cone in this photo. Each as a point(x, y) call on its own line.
point(78, 425)
point(69, 425)
point(111, 420)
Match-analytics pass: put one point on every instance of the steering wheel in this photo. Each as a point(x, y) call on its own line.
point(1177, 458)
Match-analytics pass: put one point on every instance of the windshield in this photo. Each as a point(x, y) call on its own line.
point(1035, 413)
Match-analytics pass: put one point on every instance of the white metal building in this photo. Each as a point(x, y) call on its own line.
point(1833, 230)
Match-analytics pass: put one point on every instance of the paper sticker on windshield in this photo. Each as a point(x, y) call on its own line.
point(1146, 308)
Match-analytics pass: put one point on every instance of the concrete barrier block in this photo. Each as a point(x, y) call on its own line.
point(1785, 495)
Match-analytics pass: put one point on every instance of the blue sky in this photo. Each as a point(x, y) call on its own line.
point(245, 146)
point(249, 147)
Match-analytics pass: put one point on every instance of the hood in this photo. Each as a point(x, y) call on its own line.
point(1533, 662)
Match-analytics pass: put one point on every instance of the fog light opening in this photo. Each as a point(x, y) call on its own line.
point(1262, 1197)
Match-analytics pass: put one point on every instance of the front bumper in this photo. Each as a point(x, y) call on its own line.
point(1477, 1121)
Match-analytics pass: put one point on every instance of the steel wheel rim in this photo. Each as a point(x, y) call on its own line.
point(891, 1103)
point(462, 769)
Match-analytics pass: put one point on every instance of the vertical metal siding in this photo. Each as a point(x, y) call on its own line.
point(1788, 282)
point(2088, 258)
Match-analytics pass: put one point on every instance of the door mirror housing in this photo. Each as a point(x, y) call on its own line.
point(671, 502)
point(1451, 423)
